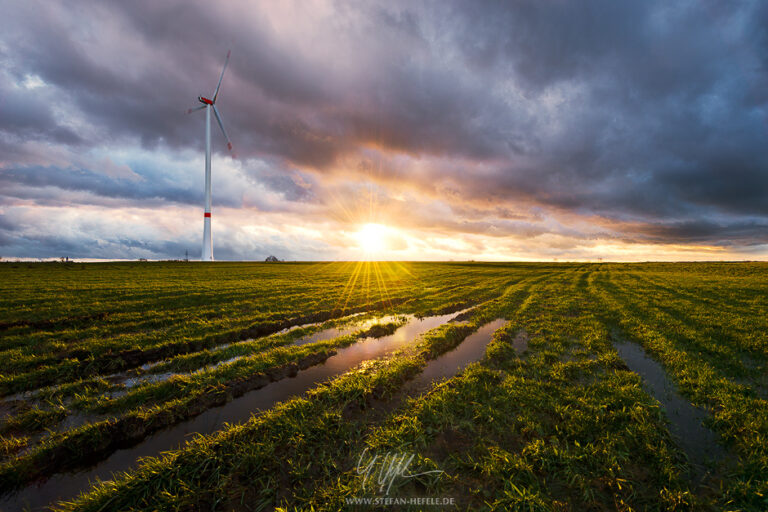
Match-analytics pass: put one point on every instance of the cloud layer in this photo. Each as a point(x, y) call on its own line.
point(494, 130)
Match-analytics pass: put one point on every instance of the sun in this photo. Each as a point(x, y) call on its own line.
point(371, 238)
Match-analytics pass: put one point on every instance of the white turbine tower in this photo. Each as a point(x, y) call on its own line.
point(209, 105)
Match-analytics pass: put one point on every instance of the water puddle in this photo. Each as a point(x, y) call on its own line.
point(68, 485)
point(686, 421)
point(312, 324)
point(137, 375)
point(325, 334)
point(28, 395)
point(322, 335)
point(132, 382)
point(470, 350)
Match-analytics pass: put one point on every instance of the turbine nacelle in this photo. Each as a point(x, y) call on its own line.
point(206, 101)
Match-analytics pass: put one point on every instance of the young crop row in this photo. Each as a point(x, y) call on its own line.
point(132, 328)
point(97, 394)
point(562, 426)
point(713, 344)
point(113, 421)
point(309, 431)
point(550, 419)
point(140, 411)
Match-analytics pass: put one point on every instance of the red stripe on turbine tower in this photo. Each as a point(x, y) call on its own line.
point(207, 214)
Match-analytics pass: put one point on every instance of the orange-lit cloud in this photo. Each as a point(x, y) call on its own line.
point(528, 130)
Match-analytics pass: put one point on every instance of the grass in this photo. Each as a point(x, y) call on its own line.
point(718, 360)
point(64, 322)
point(146, 408)
point(564, 425)
point(309, 432)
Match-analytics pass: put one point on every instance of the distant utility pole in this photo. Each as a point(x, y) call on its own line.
point(186, 255)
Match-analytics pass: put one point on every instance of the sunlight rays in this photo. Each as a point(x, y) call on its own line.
point(374, 280)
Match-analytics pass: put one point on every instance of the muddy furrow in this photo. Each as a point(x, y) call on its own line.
point(234, 404)
point(128, 359)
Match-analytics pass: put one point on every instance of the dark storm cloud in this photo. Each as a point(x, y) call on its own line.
point(270, 92)
point(735, 233)
point(648, 115)
point(6, 225)
point(98, 184)
point(25, 117)
point(51, 247)
point(82, 246)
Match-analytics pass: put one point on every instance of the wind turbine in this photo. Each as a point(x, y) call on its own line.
point(209, 105)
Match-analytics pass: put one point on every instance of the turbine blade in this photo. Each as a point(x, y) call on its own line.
point(221, 125)
point(189, 111)
point(226, 61)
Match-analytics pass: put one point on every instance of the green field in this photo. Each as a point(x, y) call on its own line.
point(102, 359)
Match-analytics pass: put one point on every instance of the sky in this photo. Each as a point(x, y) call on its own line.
point(434, 130)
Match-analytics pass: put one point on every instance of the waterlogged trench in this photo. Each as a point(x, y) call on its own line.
point(470, 350)
point(322, 335)
point(686, 421)
point(68, 485)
